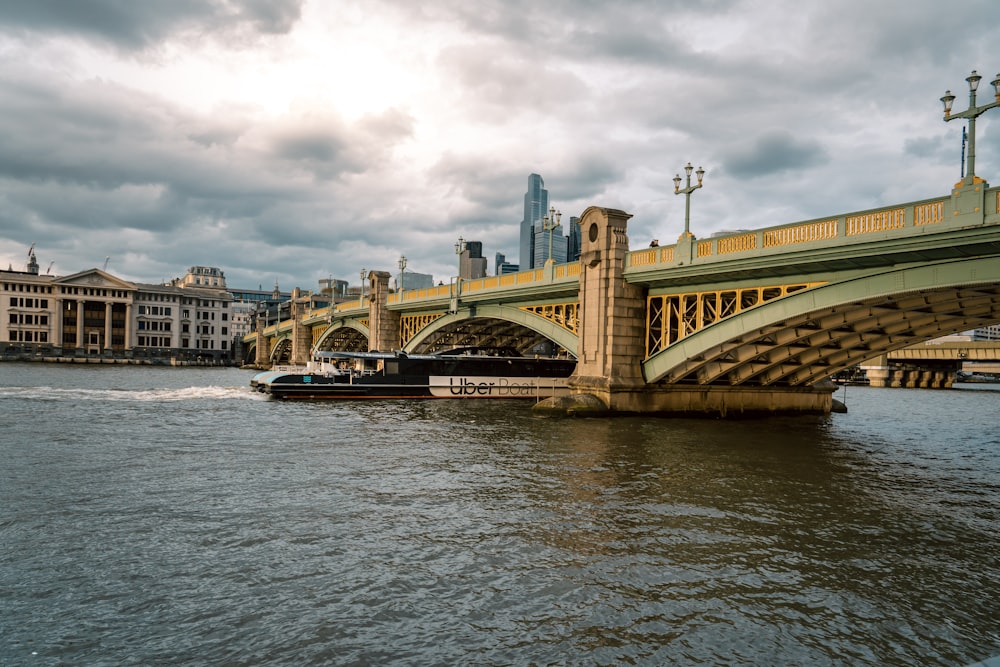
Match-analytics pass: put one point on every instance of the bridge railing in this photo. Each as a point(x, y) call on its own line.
point(900, 219)
point(507, 280)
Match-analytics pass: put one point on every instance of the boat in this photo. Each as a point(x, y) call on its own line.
point(464, 372)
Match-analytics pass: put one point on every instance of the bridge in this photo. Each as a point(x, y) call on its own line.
point(754, 321)
point(935, 363)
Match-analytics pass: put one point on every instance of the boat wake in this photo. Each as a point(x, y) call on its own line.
point(133, 395)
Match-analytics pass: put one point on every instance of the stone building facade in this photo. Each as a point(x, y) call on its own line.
point(95, 314)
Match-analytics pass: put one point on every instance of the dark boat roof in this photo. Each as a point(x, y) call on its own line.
point(472, 351)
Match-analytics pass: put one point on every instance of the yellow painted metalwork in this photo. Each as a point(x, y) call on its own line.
point(811, 231)
point(704, 248)
point(741, 243)
point(321, 312)
point(566, 315)
point(928, 214)
point(567, 270)
point(425, 292)
point(876, 221)
point(670, 317)
point(409, 325)
point(476, 284)
point(650, 256)
point(642, 257)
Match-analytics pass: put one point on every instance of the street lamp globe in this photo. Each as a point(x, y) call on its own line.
point(971, 114)
point(688, 189)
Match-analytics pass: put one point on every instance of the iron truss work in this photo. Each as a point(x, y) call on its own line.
point(409, 325)
point(670, 317)
point(566, 315)
point(809, 347)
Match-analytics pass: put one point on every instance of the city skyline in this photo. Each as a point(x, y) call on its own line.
point(472, 263)
point(150, 136)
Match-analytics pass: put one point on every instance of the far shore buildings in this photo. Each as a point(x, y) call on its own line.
point(95, 314)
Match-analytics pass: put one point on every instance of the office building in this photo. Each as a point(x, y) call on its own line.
point(536, 205)
point(574, 242)
point(414, 280)
point(471, 262)
point(502, 266)
point(543, 244)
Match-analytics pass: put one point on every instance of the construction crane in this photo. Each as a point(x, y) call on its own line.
point(106, 260)
point(49, 270)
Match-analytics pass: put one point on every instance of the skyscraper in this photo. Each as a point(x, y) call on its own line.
point(542, 244)
point(536, 204)
point(503, 266)
point(574, 242)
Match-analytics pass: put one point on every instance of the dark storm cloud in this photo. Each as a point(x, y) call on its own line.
point(329, 148)
point(586, 177)
point(488, 185)
point(774, 152)
point(631, 30)
point(139, 24)
point(96, 163)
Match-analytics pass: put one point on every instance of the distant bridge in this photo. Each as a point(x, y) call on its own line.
point(918, 365)
point(752, 321)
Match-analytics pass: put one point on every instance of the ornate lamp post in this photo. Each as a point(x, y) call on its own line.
point(687, 193)
point(459, 249)
point(549, 223)
point(402, 267)
point(361, 302)
point(971, 113)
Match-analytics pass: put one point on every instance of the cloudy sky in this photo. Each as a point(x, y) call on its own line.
point(293, 140)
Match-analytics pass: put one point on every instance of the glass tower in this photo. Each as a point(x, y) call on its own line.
point(536, 205)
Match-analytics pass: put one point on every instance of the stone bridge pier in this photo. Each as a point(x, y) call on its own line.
point(611, 348)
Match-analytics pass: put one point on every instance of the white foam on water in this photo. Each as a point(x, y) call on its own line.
point(140, 395)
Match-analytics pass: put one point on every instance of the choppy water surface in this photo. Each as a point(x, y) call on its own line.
point(170, 516)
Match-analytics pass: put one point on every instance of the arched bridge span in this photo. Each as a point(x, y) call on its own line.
point(493, 325)
point(811, 334)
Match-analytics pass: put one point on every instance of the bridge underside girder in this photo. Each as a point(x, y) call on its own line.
point(483, 331)
point(281, 353)
point(344, 339)
point(804, 348)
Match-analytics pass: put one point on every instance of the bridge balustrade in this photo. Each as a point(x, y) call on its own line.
point(824, 232)
point(469, 286)
point(802, 233)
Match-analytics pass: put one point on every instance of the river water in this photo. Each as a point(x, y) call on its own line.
point(161, 516)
